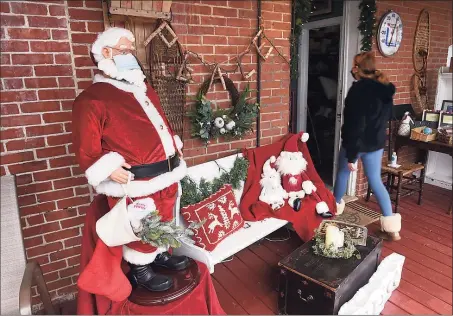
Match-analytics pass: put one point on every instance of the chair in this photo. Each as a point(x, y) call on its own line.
point(407, 183)
point(17, 275)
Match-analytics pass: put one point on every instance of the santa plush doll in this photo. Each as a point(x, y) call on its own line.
point(125, 145)
point(292, 167)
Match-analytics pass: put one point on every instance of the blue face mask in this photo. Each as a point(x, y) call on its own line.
point(126, 62)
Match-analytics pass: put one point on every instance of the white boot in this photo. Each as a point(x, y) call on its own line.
point(340, 207)
point(391, 227)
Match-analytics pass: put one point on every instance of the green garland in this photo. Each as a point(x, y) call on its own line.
point(231, 123)
point(302, 10)
point(165, 234)
point(193, 193)
point(346, 252)
point(367, 23)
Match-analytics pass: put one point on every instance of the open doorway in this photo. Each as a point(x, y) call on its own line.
point(327, 46)
point(323, 67)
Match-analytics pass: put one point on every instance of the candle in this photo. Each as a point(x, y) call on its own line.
point(332, 233)
point(340, 240)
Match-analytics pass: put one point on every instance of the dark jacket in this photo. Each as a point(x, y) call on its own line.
point(368, 107)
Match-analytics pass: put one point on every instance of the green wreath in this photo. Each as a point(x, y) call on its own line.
point(230, 123)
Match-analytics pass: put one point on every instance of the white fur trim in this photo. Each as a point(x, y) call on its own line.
point(321, 207)
point(151, 112)
point(157, 120)
point(308, 187)
point(273, 159)
point(140, 258)
point(178, 142)
point(110, 38)
point(103, 168)
point(304, 138)
point(391, 224)
point(340, 207)
point(143, 188)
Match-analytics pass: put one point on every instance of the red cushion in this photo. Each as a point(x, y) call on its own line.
point(222, 218)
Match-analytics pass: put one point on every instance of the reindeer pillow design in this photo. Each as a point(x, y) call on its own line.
point(222, 218)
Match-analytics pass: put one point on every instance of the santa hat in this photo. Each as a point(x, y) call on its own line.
point(269, 165)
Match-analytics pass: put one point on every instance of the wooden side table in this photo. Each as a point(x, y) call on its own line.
point(436, 146)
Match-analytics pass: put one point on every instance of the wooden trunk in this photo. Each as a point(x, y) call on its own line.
point(315, 285)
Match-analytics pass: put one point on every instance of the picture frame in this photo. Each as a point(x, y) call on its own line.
point(447, 106)
point(319, 7)
point(446, 119)
point(431, 118)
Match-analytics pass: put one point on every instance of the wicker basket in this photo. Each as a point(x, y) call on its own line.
point(417, 134)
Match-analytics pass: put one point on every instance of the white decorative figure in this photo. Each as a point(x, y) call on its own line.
point(233, 209)
point(272, 191)
point(215, 222)
point(371, 298)
point(405, 127)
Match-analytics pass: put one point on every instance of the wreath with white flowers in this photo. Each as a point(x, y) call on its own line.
point(234, 122)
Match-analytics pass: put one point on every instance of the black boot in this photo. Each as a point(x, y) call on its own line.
point(166, 260)
point(326, 215)
point(297, 204)
point(147, 278)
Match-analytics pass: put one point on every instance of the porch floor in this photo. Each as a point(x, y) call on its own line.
point(248, 283)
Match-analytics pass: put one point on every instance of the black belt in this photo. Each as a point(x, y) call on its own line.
point(155, 169)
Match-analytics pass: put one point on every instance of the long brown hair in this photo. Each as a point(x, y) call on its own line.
point(365, 67)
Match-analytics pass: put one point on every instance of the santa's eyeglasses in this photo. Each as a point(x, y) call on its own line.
point(123, 51)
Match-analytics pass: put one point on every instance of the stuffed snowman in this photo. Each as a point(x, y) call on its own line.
point(272, 192)
point(292, 167)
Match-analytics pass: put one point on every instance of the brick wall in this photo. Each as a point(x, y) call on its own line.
point(399, 67)
point(45, 64)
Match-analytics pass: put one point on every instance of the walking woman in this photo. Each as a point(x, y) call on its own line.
point(368, 107)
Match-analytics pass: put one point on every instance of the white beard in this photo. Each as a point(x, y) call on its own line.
point(134, 76)
point(291, 163)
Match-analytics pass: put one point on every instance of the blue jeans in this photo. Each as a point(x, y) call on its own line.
point(372, 166)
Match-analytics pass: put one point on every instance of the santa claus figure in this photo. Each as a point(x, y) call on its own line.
point(125, 145)
point(292, 166)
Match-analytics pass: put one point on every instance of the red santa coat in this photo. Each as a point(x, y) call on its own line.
point(115, 122)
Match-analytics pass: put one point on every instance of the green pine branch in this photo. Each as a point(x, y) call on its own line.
point(367, 23)
point(193, 193)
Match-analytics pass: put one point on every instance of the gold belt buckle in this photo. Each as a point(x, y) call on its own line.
point(169, 163)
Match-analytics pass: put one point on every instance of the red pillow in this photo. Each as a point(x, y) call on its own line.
point(222, 218)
